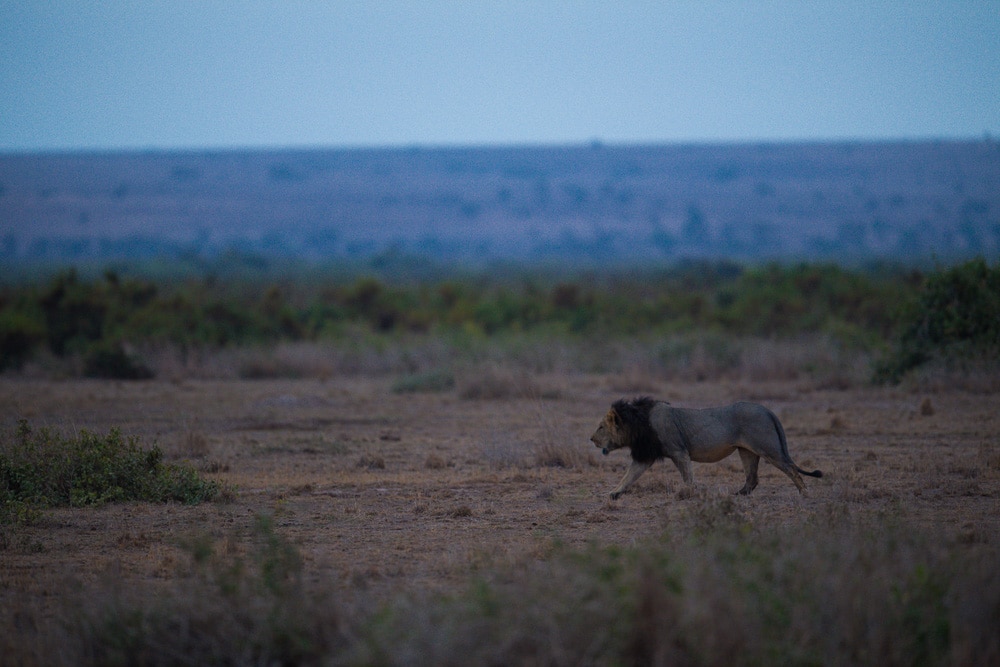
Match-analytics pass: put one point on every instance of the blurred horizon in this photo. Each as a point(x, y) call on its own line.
point(593, 142)
point(585, 205)
point(578, 132)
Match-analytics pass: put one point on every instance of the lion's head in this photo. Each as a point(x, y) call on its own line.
point(627, 425)
point(608, 436)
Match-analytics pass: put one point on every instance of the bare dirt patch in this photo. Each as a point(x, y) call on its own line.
point(383, 491)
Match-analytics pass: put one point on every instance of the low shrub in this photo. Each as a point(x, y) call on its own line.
point(20, 334)
point(39, 469)
point(110, 360)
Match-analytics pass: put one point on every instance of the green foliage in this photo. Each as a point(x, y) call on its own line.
point(106, 359)
point(956, 317)
point(42, 469)
point(103, 322)
point(74, 312)
point(20, 333)
point(776, 300)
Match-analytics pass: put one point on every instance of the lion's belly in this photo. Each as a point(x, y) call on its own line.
point(708, 435)
point(710, 453)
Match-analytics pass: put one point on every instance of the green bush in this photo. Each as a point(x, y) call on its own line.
point(955, 317)
point(775, 300)
point(74, 317)
point(105, 359)
point(42, 469)
point(19, 335)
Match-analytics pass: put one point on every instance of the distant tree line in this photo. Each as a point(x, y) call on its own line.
point(948, 312)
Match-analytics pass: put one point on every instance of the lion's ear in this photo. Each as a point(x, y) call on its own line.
point(614, 417)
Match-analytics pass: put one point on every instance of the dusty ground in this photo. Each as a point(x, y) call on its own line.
point(383, 491)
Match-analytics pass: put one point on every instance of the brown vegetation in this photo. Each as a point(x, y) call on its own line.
point(356, 497)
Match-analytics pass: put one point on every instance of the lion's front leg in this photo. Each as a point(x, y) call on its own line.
point(634, 470)
point(682, 460)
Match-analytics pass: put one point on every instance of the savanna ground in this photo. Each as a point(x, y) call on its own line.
point(383, 492)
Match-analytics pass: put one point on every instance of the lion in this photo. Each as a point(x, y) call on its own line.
point(655, 430)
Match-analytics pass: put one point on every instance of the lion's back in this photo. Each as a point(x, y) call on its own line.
point(727, 423)
point(753, 422)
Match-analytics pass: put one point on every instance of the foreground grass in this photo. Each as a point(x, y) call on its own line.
point(719, 588)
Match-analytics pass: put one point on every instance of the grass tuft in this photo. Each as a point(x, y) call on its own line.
point(429, 382)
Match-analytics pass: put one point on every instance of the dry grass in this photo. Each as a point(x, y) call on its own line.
point(500, 453)
point(973, 376)
point(493, 381)
point(820, 588)
point(506, 367)
point(428, 528)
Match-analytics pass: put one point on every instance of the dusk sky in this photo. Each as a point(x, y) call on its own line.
point(151, 74)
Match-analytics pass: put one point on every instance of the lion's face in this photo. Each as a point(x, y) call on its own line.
point(608, 434)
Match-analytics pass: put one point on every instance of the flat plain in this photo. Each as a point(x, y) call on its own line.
point(383, 492)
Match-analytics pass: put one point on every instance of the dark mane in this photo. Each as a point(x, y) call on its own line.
point(638, 432)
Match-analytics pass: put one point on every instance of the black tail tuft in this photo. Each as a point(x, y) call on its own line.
point(814, 473)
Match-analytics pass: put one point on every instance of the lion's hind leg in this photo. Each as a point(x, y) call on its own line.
point(775, 458)
point(750, 463)
point(793, 474)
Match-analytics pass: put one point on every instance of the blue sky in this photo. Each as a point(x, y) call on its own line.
point(148, 74)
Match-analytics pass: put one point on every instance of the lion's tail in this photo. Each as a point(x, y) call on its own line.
point(784, 448)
